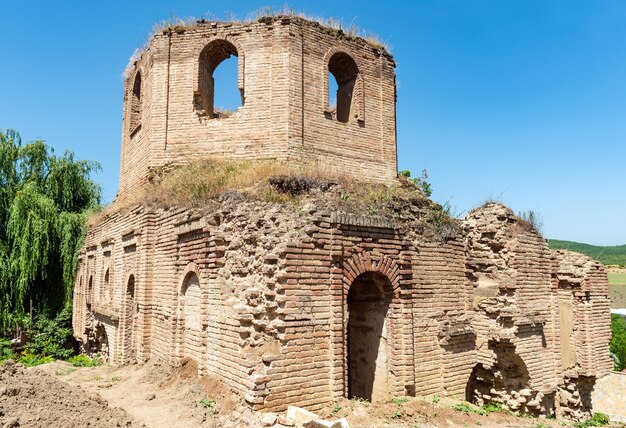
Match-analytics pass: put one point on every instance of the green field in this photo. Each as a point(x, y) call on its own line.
point(607, 255)
point(617, 278)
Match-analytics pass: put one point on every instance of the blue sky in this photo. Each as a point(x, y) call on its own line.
point(522, 101)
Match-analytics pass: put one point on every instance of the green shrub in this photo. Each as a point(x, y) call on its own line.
point(6, 351)
point(492, 407)
point(397, 415)
point(617, 346)
point(597, 420)
point(51, 338)
point(30, 360)
point(210, 405)
point(84, 361)
point(420, 182)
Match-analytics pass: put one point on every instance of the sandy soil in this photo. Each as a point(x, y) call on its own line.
point(155, 395)
point(31, 398)
point(159, 395)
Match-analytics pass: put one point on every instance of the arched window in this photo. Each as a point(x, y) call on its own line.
point(106, 287)
point(130, 287)
point(135, 104)
point(342, 98)
point(222, 99)
point(89, 292)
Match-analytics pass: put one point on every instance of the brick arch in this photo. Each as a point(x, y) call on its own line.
point(199, 49)
point(400, 322)
point(180, 341)
point(191, 267)
point(366, 262)
point(127, 332)
point(359, 88)
point(136, 97)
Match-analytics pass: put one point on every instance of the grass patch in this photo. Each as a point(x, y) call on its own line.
point(597, 420)
point(84, 361)
point(210, 405)
point(65, 372)
point(201, 183)
point(617, 278)
point(484, 410)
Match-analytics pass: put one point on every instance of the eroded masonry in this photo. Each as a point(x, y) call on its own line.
point(303, 304)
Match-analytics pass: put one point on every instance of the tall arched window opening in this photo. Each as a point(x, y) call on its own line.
point(135, 104)
point(220, 92)
point(341, 92)
point(130, 311)
point(106, 288)
point(90, 293)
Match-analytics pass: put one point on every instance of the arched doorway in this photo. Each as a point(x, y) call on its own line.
point(367, 337)
point(130, 312)
point(191, 317)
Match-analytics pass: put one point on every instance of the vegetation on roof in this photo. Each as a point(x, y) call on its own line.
point(179, 25)
point(204, 183)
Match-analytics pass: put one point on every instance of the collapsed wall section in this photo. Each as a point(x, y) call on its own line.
point(532, 317)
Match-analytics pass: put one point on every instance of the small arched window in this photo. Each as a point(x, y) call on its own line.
point(106, 292)
point(90, 292)
point(218, 101)
point(344, 102)
point(130, 287)
point(135, 104)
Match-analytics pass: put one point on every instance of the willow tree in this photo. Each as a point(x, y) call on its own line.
point(43, 203)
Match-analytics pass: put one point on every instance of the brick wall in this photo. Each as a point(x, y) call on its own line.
point(283, 66)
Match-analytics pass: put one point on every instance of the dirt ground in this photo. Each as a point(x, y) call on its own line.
point(155, 395)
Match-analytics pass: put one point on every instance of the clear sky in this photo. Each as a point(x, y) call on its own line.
point(522, 101)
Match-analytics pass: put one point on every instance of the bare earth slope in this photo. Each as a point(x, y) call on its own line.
point(156, 395)
point(31, 398)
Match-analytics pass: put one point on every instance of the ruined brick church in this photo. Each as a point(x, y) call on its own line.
point(304, 305)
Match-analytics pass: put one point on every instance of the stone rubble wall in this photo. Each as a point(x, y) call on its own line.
point(535, 311)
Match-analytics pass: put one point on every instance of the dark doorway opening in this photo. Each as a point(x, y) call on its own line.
point(367, 337)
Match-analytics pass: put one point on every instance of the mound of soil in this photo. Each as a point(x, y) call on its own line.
point(31, 398)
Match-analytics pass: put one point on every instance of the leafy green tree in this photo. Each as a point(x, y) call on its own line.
point(43, 203)
point(617, 346)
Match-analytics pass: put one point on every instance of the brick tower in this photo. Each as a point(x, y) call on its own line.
point(283, 78)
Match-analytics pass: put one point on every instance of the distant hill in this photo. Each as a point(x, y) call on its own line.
point(607, 255)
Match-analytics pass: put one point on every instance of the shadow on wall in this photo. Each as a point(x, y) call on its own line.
point(368, 306)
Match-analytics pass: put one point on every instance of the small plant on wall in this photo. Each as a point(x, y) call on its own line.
point(421, 182)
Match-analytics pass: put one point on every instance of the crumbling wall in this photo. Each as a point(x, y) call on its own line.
point(533, 323)
point(263, 295)
point(580, 298)
point(509, 267)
